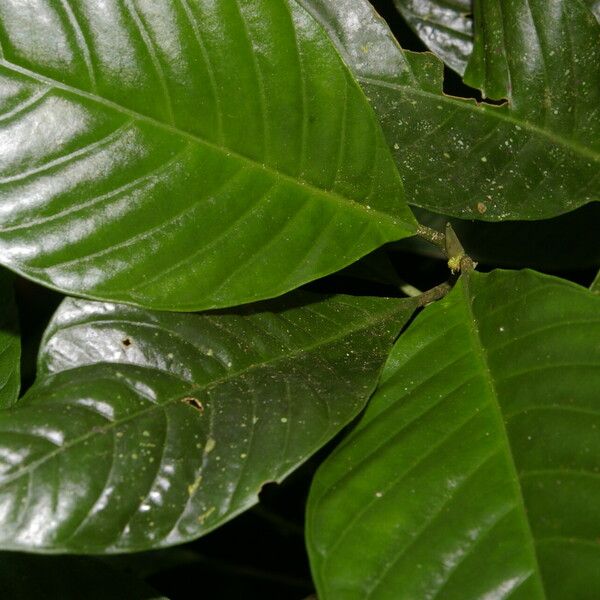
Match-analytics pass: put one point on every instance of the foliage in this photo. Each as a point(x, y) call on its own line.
point(485, 460)
point(158, 159)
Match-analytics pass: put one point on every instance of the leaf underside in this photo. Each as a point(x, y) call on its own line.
point(150, 429)
point(446, 28)
point(443, 26)
point(185, 155)
point(475, 470)
point(536, 157)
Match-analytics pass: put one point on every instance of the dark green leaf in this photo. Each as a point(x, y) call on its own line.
point(443, 26)
point(537, 157)
point(149, 429)
point(446, 27)
point(10, 343)
point(185, 154)
point(475, 471)
point(27, 577)
point(594, 6)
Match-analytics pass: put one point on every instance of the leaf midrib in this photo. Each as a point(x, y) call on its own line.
point(487, 110)
point(481, 354)
point(348, 203)
point(192, 389)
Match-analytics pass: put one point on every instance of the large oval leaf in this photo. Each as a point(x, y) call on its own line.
point(150, 429)
point(475, 470)
point(444, 27)
point(10, 343)
point(185, 155)
point(536, 157)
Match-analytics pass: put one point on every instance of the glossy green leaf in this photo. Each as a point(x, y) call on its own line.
point(10, 343)
point(185, 154)
point(29, 577)
point(515, 58)
point(475, 471)
point(444, 27)
point(148, 429)
point(536, 157)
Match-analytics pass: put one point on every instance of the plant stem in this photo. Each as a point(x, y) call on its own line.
point(450, 245)
point(437, 238)
point(458, 260)
point(436, 293)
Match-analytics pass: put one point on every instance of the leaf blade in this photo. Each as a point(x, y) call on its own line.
point(149, 429)
point(462, 440)
point(517, 161)
point(281, 178)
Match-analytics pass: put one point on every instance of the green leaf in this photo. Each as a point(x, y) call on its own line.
point(594, 6)
point(595, 287)
point(514, 57)
point(10, 343)
point(185, 155)
point(475, 470)
point(443, 26)
point(29, 577)
point(446, 28)
point(536, 157)
point(146, 429)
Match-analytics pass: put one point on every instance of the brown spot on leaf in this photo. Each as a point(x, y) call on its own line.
point(194, 403)
point(126, 342)
point(481, 208)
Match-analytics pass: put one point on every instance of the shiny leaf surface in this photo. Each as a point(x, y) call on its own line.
point(536, 157)
point(10, 343)
point(185, 155)
point(474, 472)
point(446, 27)
point(29, 577)
point(443, 26)
point(149, 429)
